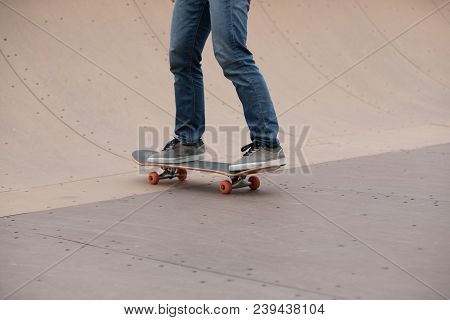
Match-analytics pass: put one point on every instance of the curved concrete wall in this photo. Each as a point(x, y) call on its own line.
point(78, 78)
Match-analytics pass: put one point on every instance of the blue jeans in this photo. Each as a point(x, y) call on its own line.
point(192, 22)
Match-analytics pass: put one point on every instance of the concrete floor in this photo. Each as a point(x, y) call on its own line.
point(374, 227)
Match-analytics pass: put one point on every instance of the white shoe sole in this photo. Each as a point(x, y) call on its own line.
point(257, 165)
point(197, 157)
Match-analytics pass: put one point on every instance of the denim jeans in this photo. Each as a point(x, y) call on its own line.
point(192, 22)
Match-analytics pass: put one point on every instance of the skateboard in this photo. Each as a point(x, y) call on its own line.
point(236, 179)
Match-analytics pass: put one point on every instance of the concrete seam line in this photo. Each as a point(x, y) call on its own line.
point(312, 65)
point(49, 110)
point(440, 11)
point(323, 216)
point(95, 237)
point(138, 8)
point(363, 59)
point(67, 182)
point(87, 59)
point(279, 285)
point(399, 52)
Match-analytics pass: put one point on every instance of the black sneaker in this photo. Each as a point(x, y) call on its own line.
point(256, 156)
point(176, 152)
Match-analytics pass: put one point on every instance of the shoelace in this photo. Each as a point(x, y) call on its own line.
point(250, 148)
point(171, 144)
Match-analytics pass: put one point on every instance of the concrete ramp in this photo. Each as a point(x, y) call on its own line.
point(370, 78)
point(79, 78)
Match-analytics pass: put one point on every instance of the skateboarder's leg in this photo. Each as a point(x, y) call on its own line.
point(229, 32)
point(190, 28)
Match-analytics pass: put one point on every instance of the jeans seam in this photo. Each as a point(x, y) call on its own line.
point(233, 36)
point(259, 106)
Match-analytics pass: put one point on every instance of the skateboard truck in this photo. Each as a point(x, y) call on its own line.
point(239, 182)
point(226, 186)
point(168, 173)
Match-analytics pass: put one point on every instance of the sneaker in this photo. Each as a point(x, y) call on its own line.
point(176, 152)
point(256, 156)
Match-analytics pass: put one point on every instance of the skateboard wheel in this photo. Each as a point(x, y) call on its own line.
point(153, 177)
point(182, 174)
point(254, 182)
point(225, 187)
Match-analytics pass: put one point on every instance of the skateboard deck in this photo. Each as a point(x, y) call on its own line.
point(237, 179)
